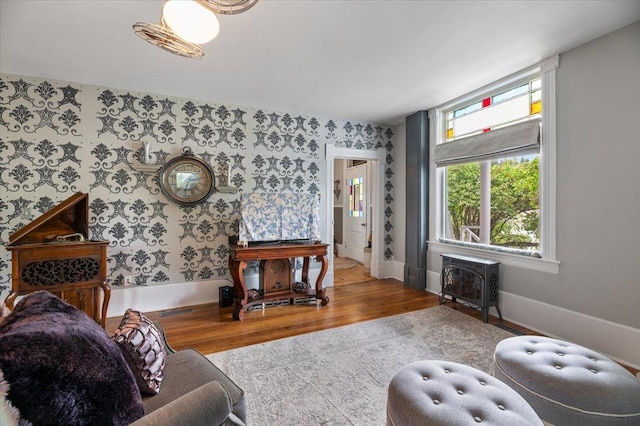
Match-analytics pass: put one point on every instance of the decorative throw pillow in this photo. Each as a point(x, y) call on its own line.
point(143, 349)
point(63, 368)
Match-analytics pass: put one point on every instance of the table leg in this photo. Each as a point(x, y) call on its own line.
point(305, 269)
point(106, 293)
point(236, 268)
point(320, 292)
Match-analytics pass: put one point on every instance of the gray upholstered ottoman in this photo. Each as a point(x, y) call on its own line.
point(568, 384)
point(448, 393)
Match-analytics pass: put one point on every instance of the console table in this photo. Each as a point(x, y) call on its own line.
point(238, 262)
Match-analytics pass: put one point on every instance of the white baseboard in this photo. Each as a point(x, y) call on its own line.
point(617, 341)
point(170, 296)
point(396, 270)
point(433, 282)
point(163, 296)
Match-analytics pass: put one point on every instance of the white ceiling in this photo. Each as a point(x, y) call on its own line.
point(376, 61)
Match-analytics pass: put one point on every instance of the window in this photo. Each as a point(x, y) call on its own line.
point(356, 197)
point(490, 153)
point(495, 182)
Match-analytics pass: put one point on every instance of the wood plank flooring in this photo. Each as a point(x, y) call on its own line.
point(210, 328)
point(351, 275)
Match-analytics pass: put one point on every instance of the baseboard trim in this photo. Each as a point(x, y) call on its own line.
point(396, 270)
point(170, 296)
point(163, 296)
point(617, 341)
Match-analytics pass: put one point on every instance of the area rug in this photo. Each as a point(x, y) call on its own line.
point(340, 376)
point(343, 263)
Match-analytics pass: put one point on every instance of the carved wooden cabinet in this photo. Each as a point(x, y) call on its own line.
point(276, 274)
point(52, 253)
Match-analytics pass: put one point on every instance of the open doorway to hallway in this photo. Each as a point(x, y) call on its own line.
point(353, 211)
point(375, 159)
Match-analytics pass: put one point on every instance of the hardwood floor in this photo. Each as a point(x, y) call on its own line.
point(351, 275)
point(210, 328)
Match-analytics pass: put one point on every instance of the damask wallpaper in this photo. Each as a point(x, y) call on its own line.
point(57, 138)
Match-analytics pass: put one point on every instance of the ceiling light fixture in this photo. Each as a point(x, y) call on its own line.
point(229, 7)
point(190, 20)
point(185, 24)
point(162, 36)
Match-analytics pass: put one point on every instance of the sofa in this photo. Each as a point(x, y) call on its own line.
point(194, 392)
point(58, 366)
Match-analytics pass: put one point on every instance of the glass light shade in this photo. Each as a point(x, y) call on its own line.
point(190, 21)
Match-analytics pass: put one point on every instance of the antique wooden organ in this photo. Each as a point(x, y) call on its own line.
point(53, 253)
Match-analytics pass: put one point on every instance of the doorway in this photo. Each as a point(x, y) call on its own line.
point(356, 215)
point(375, 161)
point(352, 221)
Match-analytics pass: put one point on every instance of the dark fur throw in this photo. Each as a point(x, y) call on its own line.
point(63, 368)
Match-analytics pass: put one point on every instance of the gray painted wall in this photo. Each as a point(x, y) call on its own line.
point(598, 181)
point(598, 185)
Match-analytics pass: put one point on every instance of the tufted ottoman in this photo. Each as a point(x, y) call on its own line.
point(568, 384)
point(448, 393)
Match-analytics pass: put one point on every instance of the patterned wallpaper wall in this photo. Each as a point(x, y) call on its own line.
point(57, 138)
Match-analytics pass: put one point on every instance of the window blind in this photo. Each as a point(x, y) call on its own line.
point(521, 138)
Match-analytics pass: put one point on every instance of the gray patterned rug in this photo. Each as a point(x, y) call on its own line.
point(340, 376)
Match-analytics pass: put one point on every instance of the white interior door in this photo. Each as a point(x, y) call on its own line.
point(356, 215)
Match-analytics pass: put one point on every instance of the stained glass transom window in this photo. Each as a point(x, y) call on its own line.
point(505, 108)
point(491, 184)
point(356, 197)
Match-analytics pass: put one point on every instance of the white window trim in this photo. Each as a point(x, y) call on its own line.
point(548, 262)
